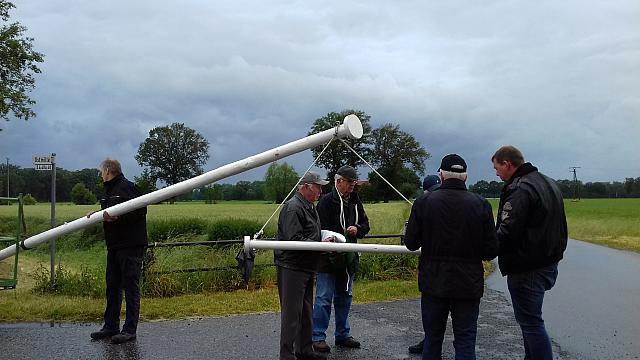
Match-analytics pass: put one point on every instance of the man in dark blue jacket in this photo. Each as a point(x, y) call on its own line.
point(532, 236)
point(455, 231)
point(126, 238)
point(340, 211)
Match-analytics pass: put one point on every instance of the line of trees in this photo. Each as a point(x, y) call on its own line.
point(85, 186)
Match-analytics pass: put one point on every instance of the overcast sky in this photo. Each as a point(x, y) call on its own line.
point(558, 79)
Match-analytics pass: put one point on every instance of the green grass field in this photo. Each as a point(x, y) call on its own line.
point(608, 222)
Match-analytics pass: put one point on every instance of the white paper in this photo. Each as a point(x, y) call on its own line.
point(339, 238)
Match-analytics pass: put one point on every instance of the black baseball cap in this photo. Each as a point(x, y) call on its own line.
point(453, 163)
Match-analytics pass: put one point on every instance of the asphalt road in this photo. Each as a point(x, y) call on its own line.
point(594, 309)
point(385, 329)
point(593, 312)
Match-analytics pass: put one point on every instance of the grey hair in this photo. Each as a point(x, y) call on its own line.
point(112, 165)
point(453, 175)
point(338, 177)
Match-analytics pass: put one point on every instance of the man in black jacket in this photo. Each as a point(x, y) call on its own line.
point(298, 221)
point(532, 237)
point(340, 211)
point(429, 183)
point(126, 238)
point(454, 229)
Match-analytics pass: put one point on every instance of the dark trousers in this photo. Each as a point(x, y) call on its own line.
point(295, 289)
point(123, 273)
point(527, 294)
point(464, 318)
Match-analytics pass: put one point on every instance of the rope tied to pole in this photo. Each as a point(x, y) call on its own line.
point(376, 171)
point(261, 231)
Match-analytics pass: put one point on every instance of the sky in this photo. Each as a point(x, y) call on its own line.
point(560, 80)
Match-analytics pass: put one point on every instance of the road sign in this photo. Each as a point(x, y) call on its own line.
point(43, 160)
point(42, 167)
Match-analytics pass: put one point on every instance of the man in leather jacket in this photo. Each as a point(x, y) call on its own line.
point(126, 239)
point(298, 221)
point(340, 211)
point(532, 237)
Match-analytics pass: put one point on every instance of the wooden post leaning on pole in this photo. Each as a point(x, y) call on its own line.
point(350, 128)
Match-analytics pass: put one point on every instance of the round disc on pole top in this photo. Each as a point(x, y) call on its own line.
point(354, 126)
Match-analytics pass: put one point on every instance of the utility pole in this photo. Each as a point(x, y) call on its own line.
point(8, 202)
point(52, 244)
point(576, 193)
point(7, 177)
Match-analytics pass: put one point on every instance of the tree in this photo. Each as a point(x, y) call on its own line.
point(392, 153)
point(173, 153)
point(145, 182)
point(337, 154)
point(279, 179)
point(213, 193)
point(629, 185)
point(80, 195)
point(18, 63)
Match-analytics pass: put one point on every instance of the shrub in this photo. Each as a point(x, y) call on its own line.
point(29, 200)
point(375, 266)
point(85, 283)
point(162, 230)
point(80, 195)
point(230, 229)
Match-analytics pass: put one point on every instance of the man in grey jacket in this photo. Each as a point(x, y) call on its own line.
point(296, 269)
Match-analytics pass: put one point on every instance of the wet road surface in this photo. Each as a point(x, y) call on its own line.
point(594, 309)
point(385, 329)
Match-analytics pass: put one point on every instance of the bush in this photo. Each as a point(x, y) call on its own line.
point(230, 229)
point(375, 266)
point(80, 195)
point(162, 230)
point(85, 283)
point(29, 200)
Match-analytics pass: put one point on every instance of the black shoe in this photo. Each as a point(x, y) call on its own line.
point(311, 356)
point(321, 346)
point(349, 342)
point(122, 337)
point(417, 348)
point(103, 333)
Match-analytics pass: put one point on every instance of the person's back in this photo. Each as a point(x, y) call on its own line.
point(453, 245)
point(455, 230)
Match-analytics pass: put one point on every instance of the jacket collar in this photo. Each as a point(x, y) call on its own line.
point(523, 170)
point(110, 183)
point(304, 201)
point(455, 184)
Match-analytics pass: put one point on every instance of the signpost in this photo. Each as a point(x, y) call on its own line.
point(44, 163)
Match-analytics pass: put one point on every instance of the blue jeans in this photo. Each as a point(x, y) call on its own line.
point(464, 318)
point(527, 294)
point(327, 293)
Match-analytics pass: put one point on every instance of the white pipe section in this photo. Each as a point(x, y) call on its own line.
point(325, 246)
point(351, 127)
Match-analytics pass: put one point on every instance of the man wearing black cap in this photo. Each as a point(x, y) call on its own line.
point(298, 221)
point(532, 235)
point(340, 211)
point(455, 230)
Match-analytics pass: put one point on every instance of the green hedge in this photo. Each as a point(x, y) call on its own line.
point(162, 230)
point(230, 229)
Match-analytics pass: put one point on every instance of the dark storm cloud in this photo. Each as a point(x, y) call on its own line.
point(555, 79)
